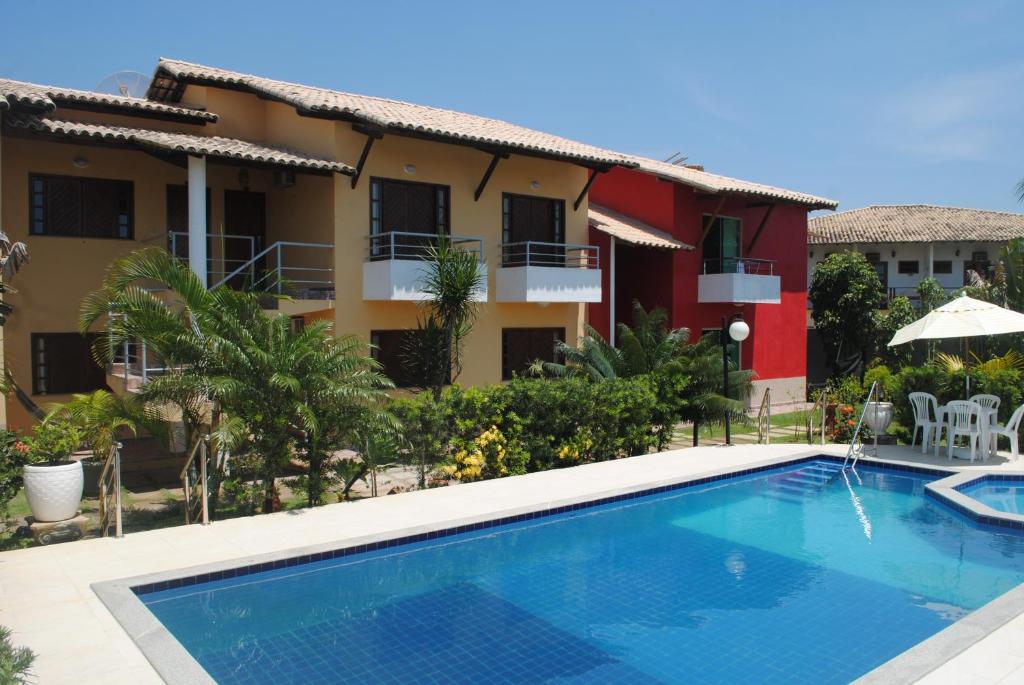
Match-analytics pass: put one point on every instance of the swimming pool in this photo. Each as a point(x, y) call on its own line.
point(1000, 493)
point(796, 574)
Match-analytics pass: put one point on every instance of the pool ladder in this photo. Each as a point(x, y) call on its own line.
point(853, 451)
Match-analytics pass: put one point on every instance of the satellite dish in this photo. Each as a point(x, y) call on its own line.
point(125, 83)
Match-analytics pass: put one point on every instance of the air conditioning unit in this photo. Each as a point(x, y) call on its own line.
point(284, 178)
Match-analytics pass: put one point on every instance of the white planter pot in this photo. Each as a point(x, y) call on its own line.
point(878, 416)
point(53, 492)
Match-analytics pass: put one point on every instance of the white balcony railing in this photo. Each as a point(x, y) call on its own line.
point(739, 281)
point(533, 271)
point(395, 264)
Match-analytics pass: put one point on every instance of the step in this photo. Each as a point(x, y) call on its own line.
point(809, 478)
point(784, 497)
point(792, 489)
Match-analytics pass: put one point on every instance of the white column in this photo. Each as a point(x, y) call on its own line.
point(3, 400)
point(931, 260)
point(611, 290)
point(197, 216)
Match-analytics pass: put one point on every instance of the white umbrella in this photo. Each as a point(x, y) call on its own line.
point(964, 317)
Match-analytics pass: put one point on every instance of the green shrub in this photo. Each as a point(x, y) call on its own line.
point(15, 662)
point(14, 454)
point(888, 386)
point(537, 423)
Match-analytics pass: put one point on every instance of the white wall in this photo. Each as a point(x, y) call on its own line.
point(910, 251)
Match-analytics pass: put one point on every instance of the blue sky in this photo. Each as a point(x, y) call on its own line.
point(864, 102)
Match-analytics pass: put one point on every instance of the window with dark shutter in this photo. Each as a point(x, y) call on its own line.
point(521, 347)
point(406, 207)
point(63, 363)
point(81, 207)
point(389, 350)
point(535, 220)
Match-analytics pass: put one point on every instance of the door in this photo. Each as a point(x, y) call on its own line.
point(406, 207)
point(722, 246)
point(534, 220)
point(245, 234)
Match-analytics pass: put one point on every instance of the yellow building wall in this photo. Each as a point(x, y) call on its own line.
point(316, 209)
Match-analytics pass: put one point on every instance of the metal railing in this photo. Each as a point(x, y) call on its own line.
point(822, 404)
point(764, 419)
point(536, 253)
point(195, 483)
point(911, 294)
point(853, 451)
point(302, 270)
point(740, 265)
point(138, 361)
point(408, 245)
point(110, 493)
point(218, 264)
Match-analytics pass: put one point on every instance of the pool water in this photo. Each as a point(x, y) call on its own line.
point(1001, 495)
point(798, 574)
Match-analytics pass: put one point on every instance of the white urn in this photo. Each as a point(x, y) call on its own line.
point(878, 416)
point(53, 492)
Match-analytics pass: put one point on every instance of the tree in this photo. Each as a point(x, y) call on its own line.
point(899, 314)
point(845, 293)
point(688, 376)
point(452, 280)
point(227, 357)
point(102, 416)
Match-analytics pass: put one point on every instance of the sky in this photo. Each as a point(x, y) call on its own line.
point(863, 102)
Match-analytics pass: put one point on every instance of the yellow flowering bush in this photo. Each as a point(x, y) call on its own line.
point(577, 448)
point(485, 456)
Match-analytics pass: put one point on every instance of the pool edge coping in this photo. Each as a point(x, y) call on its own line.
point(173, 662)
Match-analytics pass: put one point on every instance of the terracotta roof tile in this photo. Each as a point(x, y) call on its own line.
point(387, 114)
point(714, 183)
point(19, 93)
point(632, 231)
point(914, 224)
point(167, 141)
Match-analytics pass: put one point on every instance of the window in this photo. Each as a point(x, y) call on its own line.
point(978, 263)
point(297, 324)
point(908, 267)
point(63, 363)
point(81, 207)
point(389, 350)
point(406, 207)
point(722, 246)
point(943, 266)
point(525, 218)
point(881, 268)
point(520, 347)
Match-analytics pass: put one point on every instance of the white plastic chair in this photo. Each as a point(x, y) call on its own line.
point(1009, 431)
point(988, 402)
point(964, 419)
point(925, 407)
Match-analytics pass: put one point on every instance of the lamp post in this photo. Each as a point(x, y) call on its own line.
point(736, 328)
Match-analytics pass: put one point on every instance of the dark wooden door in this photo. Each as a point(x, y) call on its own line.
point(245, 214)
point(535, 219)
point(412, 208)
point(177, 221)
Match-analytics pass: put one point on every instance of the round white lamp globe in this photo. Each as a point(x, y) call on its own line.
point(739, 330)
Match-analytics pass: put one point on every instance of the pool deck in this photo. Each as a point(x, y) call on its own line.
point(47, 601)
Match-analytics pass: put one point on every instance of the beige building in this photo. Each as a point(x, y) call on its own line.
point(337, 196)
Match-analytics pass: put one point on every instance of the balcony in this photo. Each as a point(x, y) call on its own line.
point(739, 281)
point(395, 263)
point(534, 271)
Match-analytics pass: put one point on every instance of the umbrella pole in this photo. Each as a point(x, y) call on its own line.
point(967, 366)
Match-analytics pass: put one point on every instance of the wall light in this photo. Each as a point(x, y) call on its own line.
point(958, 252)
point(894, 253)
point(80, 162)
point(811, 254)
point(243, 178)
point(410, 169)
point(535, 185)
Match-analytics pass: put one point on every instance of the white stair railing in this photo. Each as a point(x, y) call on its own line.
point(275, 270)
point(822, 403)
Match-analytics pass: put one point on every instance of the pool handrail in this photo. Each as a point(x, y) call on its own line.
point(856, 431)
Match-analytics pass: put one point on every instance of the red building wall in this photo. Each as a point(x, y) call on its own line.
point(777, 344)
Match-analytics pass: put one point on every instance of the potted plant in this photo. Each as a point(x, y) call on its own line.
point(53, 483)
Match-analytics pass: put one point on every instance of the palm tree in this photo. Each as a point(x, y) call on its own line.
point(102, 416)
point(452, 279)
point(650, 347)
point(226, 357)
